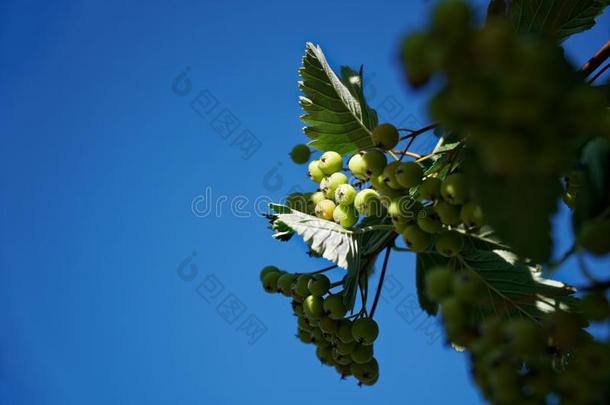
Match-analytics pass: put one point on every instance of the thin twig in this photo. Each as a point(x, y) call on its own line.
point(420, 131)
point(381, 278)
point(319, 271)
point(597, 60)
point(598, 74)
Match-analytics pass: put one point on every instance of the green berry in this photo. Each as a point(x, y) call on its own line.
point(334, 306)
point(316, 197)
point(471, 215)
point(468, 287)
point(430, 189)
point(365, 331)
point(593, 236)
point(344, 332)
point(409, 174)
point(346, 348)
point(314, 172)
point(303, 324)
point(345, 215)
point(439, 283)
point(367, 373)
point(325, 355)
point(324, 209)
point(330, 162)
point(297, 308)
point(449, 243)
point(402, 209)
point(523, 336)
point(415, 238)
point(453, 312)
point(357, 166)
point(270, 281)
point(362, 354)
point(389, 175)
point(449, 214)
point(266, 270)
point(374, 162)
point(328, 325)
point(367, 202)
point(329, 184)
point(312, 307)
point(319, 285)
point(340, 358)
point(454, 189)
point(345, 194)
point(300, 154)
point(304, 336)
point(385, 136)
point(285, 282)
point(595, 306)
point(429, 221)
point(300, 286)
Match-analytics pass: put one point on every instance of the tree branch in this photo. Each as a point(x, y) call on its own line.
point(596, 60)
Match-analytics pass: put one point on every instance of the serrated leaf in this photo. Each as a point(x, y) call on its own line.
point(335, 119)
point(555, 18)
point(520, 285)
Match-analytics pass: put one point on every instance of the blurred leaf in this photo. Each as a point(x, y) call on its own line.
point(424, 263)
point(519, 209)
point(335, 119)
point(519, 285)
point(555, 18)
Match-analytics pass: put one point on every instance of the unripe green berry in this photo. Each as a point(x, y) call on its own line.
point(357, 166)
point(314, 172)
point(340, 358)
point(345, 348)
point(409, 174)
point(330, 162)
point(304, 336)
point(367, 202)
point(301, 285)
point(316, 197)
point(325, 355)
point(594, 236)
point(345, 215)
point(362, 354)
point(415, 238)
point(329, 184)
point(449, 243)
point(389, 176)
point(455, 189)
point(285, 282)
point(468, 287)
point(430, 189)
point(324, 209)
point(471, 215)
point(439, 283)
point(365, 331)
point(270, 281)
point(328, 325)
point(449, 214)
point(402, 209)
point(313, 307)
point(334, 306)
point(344, 332)
point(429, 221)
point(367, 373)
point(319, 285)
point(300, 154)
point(345, 194)
point(266, 270)
point(374, 162)
point(385, 136)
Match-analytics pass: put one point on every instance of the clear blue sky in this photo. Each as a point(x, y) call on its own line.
point(100, 162)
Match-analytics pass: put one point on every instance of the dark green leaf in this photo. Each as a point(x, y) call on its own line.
point(335, 119)
point(555, 18)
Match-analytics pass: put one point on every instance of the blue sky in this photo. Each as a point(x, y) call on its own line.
point(112, 288)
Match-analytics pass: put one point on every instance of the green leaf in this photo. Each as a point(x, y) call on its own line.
point(520, 286)
point(335, 118)
point(555, 18)
point(424, 263)
point(519, 209)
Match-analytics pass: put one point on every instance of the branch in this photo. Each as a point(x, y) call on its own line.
point(381, 278)
point(420, 131)
point(600, 57)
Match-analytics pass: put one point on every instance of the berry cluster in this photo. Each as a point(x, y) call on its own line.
point(523, 359)
point(345, 343)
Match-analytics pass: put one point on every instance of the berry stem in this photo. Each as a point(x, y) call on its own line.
point(381, 278)
point(596, 60)
point(319, 271)
point(417, 132)
point(408, 153)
